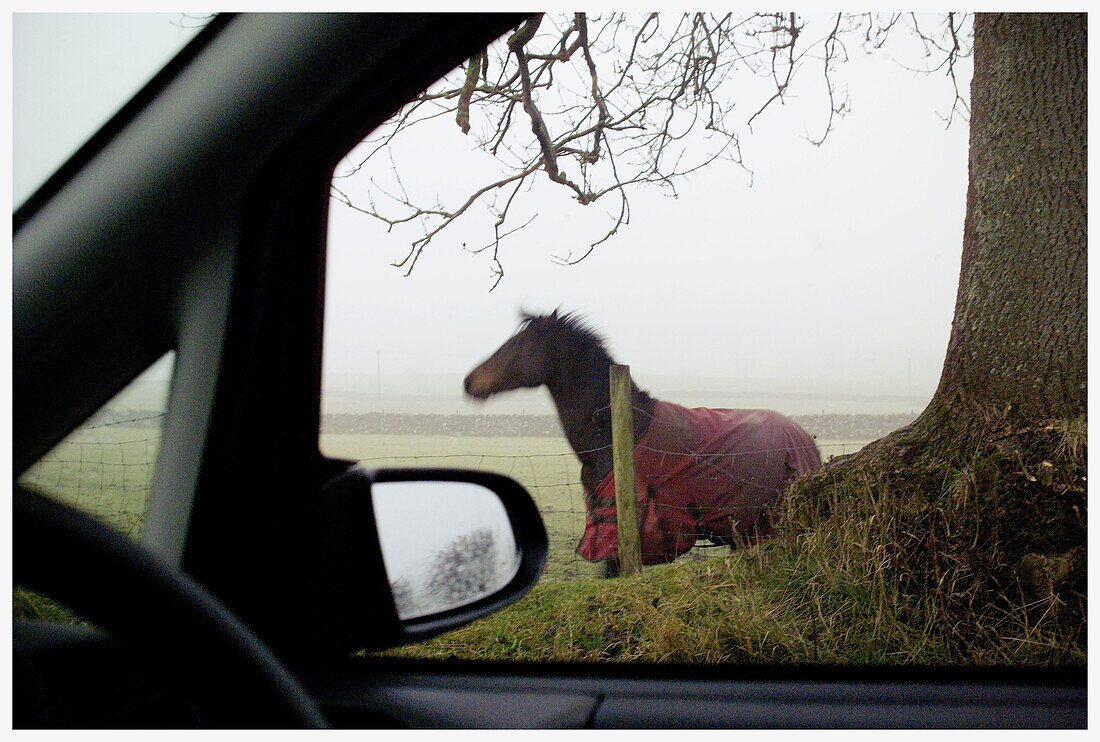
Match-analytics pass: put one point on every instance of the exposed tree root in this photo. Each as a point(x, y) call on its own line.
point(967, 525)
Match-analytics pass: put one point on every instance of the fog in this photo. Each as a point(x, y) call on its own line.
point(824, 280)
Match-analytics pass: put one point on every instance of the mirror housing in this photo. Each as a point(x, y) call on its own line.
point(354, 585)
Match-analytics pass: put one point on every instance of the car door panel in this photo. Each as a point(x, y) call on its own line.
point(574, 697)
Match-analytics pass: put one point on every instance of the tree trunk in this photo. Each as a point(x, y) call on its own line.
point(978, 509)
point(1018, 339)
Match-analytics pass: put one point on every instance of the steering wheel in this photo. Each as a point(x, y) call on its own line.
point(142, 601)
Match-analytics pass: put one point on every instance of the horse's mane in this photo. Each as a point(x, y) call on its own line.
point(584, 410)
point(576, 325)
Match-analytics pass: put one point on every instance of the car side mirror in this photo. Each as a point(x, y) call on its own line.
point(411, 553)
point(445, 545)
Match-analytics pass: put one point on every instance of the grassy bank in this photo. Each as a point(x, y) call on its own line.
point(917, 566)
point(767, 605)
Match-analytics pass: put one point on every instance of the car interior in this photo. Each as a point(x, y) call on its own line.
point(195, 221)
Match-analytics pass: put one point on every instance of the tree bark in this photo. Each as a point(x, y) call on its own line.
point(1018, 338)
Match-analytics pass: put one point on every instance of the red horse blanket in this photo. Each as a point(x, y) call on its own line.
point(701, 474)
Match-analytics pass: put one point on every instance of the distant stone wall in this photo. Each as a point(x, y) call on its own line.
point(852, 427)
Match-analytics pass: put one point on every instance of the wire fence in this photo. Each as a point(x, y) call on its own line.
point(553, 481)
point(106, 469)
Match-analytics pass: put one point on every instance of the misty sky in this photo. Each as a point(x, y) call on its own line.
point(835, 271)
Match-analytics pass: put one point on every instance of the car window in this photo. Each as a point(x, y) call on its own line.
point(776, 258)
point(813, 278)
point(105, 467)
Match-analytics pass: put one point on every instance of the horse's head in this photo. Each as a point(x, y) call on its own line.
point(524, 360)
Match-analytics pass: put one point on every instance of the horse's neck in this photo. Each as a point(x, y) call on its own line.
point(578, 407)
point(584, 409)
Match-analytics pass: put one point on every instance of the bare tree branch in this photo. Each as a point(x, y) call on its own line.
point(946, 47)
point(617, 102)
point(830, 45)
point(473, 67)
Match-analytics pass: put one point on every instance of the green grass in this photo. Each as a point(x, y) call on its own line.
point(866, 575)
point(106, 472)
point(749, 607)
point(770, 604)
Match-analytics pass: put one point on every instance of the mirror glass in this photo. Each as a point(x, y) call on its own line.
point(445, 544)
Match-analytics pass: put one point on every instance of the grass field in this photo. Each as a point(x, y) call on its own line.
point(869, 583)
point(107, 471)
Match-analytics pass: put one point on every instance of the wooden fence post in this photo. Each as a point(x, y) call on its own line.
point(626, 496)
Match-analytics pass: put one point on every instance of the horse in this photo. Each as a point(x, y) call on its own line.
point(702, 473)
